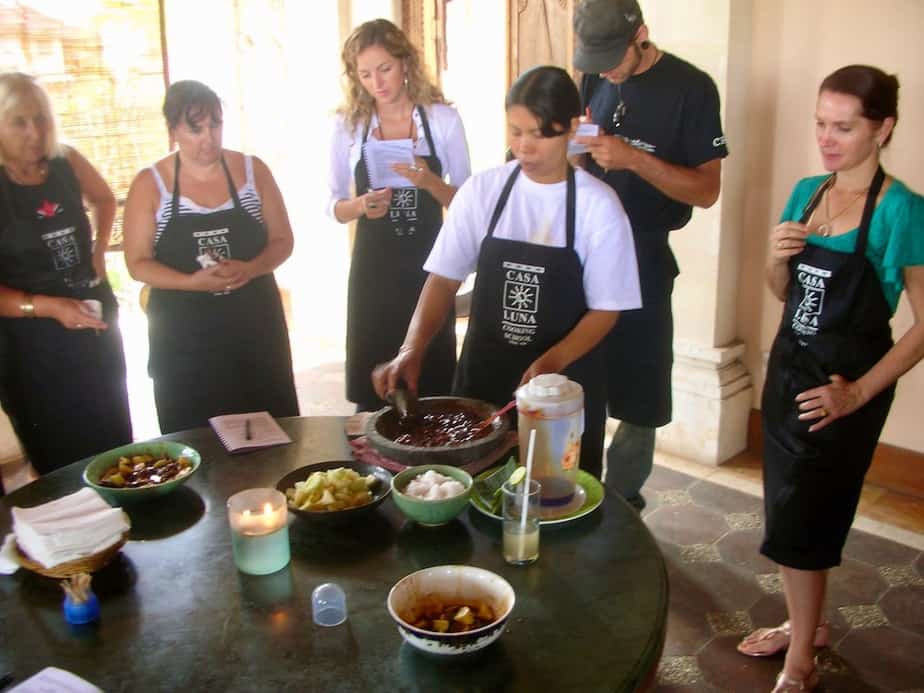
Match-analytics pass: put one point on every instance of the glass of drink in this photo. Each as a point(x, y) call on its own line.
point(521, 540)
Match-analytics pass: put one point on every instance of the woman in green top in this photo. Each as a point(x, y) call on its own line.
point(847, 246)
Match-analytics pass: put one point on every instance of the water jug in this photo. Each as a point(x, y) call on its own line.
point(553, 405)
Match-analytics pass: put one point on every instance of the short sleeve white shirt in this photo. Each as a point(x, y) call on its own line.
point(535, 213)
point(448, 138)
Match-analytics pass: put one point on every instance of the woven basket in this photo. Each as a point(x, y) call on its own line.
point(87, 564)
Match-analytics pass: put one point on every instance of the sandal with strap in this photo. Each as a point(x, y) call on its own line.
point(766, 642)
point(786, 684)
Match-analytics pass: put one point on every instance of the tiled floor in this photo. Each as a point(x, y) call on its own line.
point(722, 588)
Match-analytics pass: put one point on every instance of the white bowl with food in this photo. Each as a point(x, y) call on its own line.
point(451, 610)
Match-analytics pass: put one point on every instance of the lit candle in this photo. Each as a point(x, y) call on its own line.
point(259, 530)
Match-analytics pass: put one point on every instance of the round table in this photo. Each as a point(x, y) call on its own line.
point(176, 614)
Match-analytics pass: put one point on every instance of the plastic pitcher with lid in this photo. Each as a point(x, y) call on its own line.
point(553, 405)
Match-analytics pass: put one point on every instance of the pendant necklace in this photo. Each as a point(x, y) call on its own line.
point(827, 227)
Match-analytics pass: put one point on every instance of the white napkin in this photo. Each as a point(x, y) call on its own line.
point(68, 528)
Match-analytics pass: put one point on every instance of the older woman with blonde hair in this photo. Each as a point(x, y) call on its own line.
point(62, 376)
point(388, 97)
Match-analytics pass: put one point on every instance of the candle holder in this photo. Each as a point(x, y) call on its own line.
point(258, 518)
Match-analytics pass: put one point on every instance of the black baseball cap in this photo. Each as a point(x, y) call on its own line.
point(603, 30)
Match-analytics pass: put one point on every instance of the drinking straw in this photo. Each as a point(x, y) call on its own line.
point(526, 479)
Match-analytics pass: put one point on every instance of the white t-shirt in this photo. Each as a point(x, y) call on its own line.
point(535, 213)
point(448, 137)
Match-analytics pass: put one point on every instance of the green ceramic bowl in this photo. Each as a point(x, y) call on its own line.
point(431, 513)
point(119, 496)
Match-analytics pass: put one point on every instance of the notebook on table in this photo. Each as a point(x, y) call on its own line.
point(246, 432)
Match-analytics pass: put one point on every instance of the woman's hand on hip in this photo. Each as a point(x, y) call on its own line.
point(70, 312)
point(787, 239)
point(830, 402)
point(375, 203)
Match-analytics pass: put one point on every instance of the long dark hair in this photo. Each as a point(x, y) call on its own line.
point(877, 91)
point(549, 93)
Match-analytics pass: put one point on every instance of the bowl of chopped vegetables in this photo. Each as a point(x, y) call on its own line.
point(335, 491)
point(140, 471)
point(451, 609)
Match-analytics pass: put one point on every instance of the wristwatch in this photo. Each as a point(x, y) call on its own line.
point(27, 306)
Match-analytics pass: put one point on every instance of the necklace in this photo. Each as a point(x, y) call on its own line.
point(34, 177)
point(825, 229)
point(410, 130)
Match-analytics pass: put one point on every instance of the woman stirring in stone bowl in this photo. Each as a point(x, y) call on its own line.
point(205, 227)
point(388, 97)
point(849, 243)
point(62, 371)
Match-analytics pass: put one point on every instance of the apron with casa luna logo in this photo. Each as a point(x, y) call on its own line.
point(386, 277)
point(217, 353)
point(526, 299)
point(835, 321)
point(64, 390)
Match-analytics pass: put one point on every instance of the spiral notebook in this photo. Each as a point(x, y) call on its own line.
point(379, 156)
point(251, 431)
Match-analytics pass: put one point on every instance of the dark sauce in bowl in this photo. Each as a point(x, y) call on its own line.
point(440, 429)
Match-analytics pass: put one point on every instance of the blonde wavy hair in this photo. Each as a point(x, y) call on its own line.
point(380, 32)
point(15, 89)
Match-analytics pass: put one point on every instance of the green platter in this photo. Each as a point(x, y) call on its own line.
point(592, 487)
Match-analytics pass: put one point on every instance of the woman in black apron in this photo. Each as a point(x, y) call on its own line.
point(530, 313)
point(62, 375)
point(389, 98)
point(218, 337)
point(832, 369)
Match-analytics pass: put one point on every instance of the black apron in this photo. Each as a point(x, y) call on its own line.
point(219, 353)
point(835, 321)
point(386, 277)
point(526, 299)
point(64, 390)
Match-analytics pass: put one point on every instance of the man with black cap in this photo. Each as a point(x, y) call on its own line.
point(660, 148)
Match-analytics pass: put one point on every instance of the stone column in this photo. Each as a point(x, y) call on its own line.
point(711, 387)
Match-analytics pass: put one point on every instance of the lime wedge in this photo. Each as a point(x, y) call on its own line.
point(518, 475)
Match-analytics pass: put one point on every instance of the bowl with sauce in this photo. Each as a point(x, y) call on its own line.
point(444, 431)
point(451, 610)
point(140, 471)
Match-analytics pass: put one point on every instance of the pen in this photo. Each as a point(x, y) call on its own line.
point(247, 432)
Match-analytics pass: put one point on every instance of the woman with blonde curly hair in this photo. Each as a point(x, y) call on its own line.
point(388, 97)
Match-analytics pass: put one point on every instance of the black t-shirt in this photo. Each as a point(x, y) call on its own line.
point(672, 112)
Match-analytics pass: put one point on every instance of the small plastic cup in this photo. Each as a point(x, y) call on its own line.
point(328, 605)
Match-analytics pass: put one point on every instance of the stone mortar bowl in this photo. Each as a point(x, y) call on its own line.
point(382, 429)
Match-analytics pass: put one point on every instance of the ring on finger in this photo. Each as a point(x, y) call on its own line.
point(822, 411)
point(416, 168)
point(371, 205)
point(779, 244)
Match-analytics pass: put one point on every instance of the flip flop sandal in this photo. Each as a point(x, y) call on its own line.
point(786, 684)
point(766, 642)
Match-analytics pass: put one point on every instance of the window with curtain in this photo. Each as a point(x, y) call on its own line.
point(101, 63)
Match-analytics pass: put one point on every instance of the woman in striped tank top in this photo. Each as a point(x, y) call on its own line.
point(205, 227)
